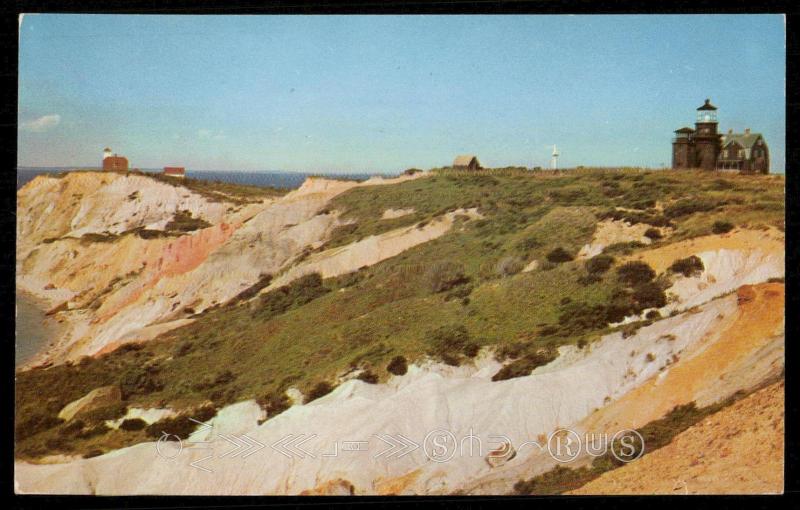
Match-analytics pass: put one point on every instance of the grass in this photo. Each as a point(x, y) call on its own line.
point(313, 330)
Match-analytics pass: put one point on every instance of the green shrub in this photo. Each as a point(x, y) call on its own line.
point(653, 315)
point(525, 365)
point(274, 403)
point(721, 227)
point(599, 264)
point(443, 276)
point(687, 206)
point(35, 423)
point(297, 293)
point(649, 295)
point(653, 233)
point(94, 431)
point(448, 342)
point(138, 381)
point(589, 279)
point(184, 222)
point(397, 366)
point(368, 377)
point(133, 424)
point(471, 350)
point(635, 273)
point(528, 244)
point(559, 255)
point(690, 266)
point(623, 248)
point(319, 390)
point(109, 412)
point(182, 425)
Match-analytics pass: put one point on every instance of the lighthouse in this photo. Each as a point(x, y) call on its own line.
point(113, 162)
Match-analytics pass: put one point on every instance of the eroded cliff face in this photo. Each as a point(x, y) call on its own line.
point(602, 388)
point(722, 333)
point(79, 247)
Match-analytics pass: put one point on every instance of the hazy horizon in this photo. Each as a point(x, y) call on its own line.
point(379, 94)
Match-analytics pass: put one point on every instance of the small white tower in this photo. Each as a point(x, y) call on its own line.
point(554, 159)
point(106, 153)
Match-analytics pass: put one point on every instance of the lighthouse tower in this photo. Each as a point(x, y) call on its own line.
point(106, 153)
point(706, 139)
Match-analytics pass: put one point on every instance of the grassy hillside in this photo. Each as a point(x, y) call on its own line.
point(442, 299)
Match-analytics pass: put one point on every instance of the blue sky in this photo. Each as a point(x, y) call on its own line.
point(385, 93)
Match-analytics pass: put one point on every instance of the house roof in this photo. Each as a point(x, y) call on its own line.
point(174, 170)
point(707, 106)
point(746, 140)
point(685, 130)
point(465, 160)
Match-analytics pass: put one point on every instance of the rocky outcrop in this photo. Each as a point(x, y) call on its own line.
point(117, 286)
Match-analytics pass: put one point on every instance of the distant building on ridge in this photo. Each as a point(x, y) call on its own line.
point(467, 162)
point(704, 148)
point(175, 171)
point(114, 162)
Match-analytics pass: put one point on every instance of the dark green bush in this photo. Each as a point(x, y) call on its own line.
point(599, 264)
point(589, 279)
point(471, 350)
point(109, 412)
point(649, 295)
point(319, 390)
point(133, 424)
point(653, 233)
point(523, 366)
point(687, 206)
point(689, 266)
point(274, 403)
point(448, 342)
point(635, 273)
point(35, 423)
point(182, 425)
point(559, 255)
point(398, 366)
point(297, 293)
point(368, 377)
point(183, 221)
point(721, 227)
point(138, 381)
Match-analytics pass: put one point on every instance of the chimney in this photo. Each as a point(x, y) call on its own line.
point(747, 131)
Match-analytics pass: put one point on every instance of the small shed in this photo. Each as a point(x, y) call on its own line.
point(175, 171)
point(467, 162)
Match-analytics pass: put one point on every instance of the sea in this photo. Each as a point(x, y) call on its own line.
point(276, 179)
point(34, 329)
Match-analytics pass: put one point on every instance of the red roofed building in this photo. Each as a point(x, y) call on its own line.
point(175, 171)
point(114, 162)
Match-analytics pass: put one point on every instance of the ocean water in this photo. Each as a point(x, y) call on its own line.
point(34, 329)
point(285, 180)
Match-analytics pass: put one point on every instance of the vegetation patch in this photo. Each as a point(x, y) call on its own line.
point(722, 227)
point(183, 221)
point(689, 266)
point(526, 364)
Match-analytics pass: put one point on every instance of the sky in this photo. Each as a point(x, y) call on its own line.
point(381, 94)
